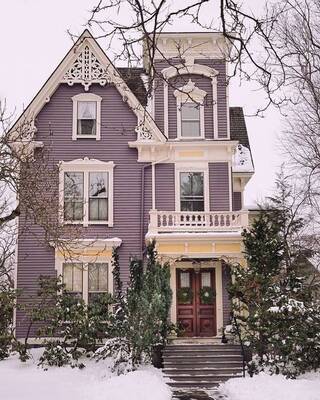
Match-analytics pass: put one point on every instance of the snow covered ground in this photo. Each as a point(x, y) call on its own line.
point(266, 387)
point(26, 381)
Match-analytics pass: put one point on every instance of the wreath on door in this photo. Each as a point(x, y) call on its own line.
point(207, 295)
point(185, 295)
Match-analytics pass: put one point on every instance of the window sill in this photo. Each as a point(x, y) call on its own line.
point(95, 137)
point(87, 223)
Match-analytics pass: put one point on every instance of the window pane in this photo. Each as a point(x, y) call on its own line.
point(86, 117)
point(190, 128)
point(190, 205)
point(73, 185)
point(98, 277)
point(77, 277)
point(72, 277)
point(191, 184)
point(86, 127)
point(184, 279)
point(87, 109)
point(205, 279)
point(98, 193)
point(190, 111)
point(93, 278)
point(73, 196)
point(67, 276)
point(98, 184)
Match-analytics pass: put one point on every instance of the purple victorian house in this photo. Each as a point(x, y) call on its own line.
point(171, 167)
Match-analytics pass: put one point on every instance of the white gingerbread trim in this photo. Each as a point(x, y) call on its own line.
point(86, 97)
point(114, 77)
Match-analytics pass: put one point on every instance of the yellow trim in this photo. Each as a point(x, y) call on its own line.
point(191, 153)
point(228, 248)
point(171, 248)
point(199, 247)
point(84, 252)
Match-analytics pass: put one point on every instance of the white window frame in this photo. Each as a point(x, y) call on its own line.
point(201, 167)
point(189, 93)
point(86, 97)
point(86, 166)
point(85, 274)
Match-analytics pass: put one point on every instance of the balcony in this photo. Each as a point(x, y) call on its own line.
point(184, 221)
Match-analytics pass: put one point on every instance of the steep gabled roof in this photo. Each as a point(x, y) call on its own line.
point(73, 69)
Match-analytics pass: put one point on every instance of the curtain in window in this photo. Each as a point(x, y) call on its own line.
point(87, 117)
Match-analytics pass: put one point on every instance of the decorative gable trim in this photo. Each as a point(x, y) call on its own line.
point(86, 63)
point(87, 69)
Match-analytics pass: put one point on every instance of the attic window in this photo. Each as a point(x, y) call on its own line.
point(86, 116)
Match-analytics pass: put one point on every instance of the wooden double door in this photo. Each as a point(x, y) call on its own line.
point(196, 302)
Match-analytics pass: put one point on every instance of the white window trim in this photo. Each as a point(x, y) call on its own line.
point(201, 167)
point(187, 94)
point(86, 166)
point(86, 97)
point(99, 245)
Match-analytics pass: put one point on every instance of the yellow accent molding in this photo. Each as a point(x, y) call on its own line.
point(228, 248)
point(191, 153)
point(171, 248)
point(85, 252)
point(199, 247)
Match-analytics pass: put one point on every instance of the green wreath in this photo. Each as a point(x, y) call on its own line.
point(185, 295)
point(207, 295)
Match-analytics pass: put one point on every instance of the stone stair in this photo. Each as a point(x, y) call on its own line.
point(201, 365)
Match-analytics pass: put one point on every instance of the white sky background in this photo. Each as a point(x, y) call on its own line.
point(34, 39)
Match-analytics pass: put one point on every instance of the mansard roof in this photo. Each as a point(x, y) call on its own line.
point(238, 129)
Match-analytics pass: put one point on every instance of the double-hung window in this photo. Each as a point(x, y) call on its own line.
point(190, 120)
point(87, 191)
point(192, 191)
point(86, 116)
point(86, 280)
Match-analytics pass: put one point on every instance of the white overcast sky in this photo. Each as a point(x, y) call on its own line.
point(34, 39)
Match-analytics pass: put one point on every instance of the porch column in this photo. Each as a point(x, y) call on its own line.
point(219, 297)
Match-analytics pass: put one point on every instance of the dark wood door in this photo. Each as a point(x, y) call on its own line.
point(196, 302)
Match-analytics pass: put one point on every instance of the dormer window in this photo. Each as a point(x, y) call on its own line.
point(190, 120)
point(86, 116)
point(190, 111)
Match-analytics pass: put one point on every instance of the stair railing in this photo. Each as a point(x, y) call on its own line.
point(238, 332)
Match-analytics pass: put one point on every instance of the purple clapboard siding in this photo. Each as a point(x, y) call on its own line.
point(226, 302)
point(236, 201)
point(165, 188)
point(203, 83)
point(54, 125)
point(219, 186)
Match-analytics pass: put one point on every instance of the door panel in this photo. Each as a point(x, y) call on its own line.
point(196, 317)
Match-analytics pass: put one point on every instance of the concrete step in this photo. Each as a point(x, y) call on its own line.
point(202, 378)
point(203, 371)
point(203, 358)
point(201, 346)
point(194, 385)
point(172, 353)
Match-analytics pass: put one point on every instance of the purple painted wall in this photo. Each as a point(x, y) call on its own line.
point(203, 83)
point(236, 201)
point(219, 186)
point(226, 302)
point(117, 128)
